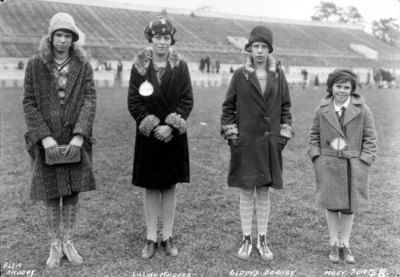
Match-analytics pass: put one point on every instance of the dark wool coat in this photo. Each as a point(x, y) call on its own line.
point(159, 165)
point(45, 116)
point(334, 190)
point(262, 124)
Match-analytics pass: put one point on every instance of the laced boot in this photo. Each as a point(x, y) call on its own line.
point(55, 255)
point(334, 255)
point(262, 247)
point(169, 247)
point(245, 248)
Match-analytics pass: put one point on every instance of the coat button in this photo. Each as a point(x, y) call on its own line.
point(266, 134)
point(62, 102)
point(266, 119)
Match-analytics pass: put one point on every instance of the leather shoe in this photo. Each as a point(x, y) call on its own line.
point(348, 255)
point(149, 249)
point(334, 255)
point(169, 247)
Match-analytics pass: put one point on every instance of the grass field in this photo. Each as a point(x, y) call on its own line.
point(111, 229)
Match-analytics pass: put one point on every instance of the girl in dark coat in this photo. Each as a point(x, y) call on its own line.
point(342, 147)
point(256, 120)
point(59, 107)
point(160, 99)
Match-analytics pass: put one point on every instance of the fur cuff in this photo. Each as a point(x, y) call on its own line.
point(287, 131)
point(176, 121)
point(148, 124)
point(230, 131)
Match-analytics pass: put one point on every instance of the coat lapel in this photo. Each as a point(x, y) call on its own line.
point(351, 112)
point(75, 68)
point(270, 82)
point(256, 84)
point(330, 115)
point(158, 94)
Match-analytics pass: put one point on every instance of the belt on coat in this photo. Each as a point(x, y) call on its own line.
point(341, 154)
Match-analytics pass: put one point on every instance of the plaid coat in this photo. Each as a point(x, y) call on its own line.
point(45, 116)
point(342, 176)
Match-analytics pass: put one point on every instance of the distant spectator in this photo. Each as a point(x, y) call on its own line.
point(305, 74)
point(217, 66)
point(231, 70)
point(359, 81)
point(208, 63)
point(118, 76)
point(20, 65)
point(202, 64)
point(316, 82)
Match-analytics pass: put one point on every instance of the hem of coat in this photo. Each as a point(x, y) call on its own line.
point(57, 196)
point(274, 186)
point(157, 187)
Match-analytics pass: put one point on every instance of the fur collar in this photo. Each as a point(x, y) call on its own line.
point(47, 53)
point(356, 99)
point(249, 68)
point(142, 60)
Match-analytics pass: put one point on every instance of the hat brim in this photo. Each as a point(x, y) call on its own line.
point(255, 39)
point(62, 26)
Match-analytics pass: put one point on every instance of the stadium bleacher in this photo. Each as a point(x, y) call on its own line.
point(113, 33)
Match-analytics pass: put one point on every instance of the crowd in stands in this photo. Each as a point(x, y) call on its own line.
point(116, 34)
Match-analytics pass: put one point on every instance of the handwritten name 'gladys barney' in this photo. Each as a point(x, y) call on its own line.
point(16, 270)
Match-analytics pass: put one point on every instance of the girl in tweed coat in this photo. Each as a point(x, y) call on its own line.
point(342, 147)
point(59, 107)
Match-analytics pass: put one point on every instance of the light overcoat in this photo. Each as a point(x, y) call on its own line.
point(45, 116)
point(259, 119)
point(336, 186)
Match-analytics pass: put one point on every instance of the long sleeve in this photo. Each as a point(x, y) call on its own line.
point(84, 124)
point(369, 141)
point(286, 104)
point(229, 128)
point(314, 139)
point(37, 126)
point(177, 119)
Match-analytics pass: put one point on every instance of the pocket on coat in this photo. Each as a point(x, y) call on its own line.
point(331, 182)
point(236, 147)
point(282, 141)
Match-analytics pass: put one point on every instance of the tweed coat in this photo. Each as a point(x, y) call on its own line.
point(45, 116)
point(333, 188)
point(159, 165)
point(262, 123)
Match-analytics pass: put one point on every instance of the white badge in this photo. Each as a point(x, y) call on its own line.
point(338, 144)
point(146, 89)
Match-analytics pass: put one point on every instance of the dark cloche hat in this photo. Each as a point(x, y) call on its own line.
point(260, 33)
point(341, 73)
point(160, 26)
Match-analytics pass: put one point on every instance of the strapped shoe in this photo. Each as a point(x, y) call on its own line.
point(334, 255)
point(71, 253)
point(348, 255)
point(245, 248)
point(55, 255)
point(262, 247)
point(149, 249)
point(169, 247)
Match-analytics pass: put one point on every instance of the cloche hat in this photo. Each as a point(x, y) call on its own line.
point(63, 21)
point(260, 33)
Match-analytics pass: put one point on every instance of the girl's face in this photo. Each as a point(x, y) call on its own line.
point(259, 51)
point(341, 92)
point(161, 44)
